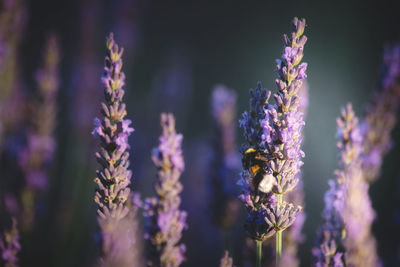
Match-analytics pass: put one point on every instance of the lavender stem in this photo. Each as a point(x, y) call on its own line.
point(279, 236)
point(278, 247)
point(259, 253)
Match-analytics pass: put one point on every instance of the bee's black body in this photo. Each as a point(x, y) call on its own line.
point(255, 162)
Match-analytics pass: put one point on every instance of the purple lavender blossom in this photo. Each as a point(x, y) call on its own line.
point(345, 237)
point(380, 117)
point(330, 250)
point(357, 212)
point(36, 158)
point(255, 201)
point(225, 204)
point(293, 236)
point(164, 221)
point(10, 246)
point(113, 130)
point(273, 132)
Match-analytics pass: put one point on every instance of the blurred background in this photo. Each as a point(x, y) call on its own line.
point(175, 53)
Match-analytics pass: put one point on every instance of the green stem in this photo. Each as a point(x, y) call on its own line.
point(278, 237)
point(259, 253)
point(278, 247)
point(227, 239)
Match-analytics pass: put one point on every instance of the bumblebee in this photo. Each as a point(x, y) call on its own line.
point(255, 162)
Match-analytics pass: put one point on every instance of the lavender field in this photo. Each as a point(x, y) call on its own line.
point(199, 133)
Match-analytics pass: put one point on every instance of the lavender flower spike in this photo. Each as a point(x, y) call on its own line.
point(113, 130)
point(330, 250)
point(345, 237)
point(272, 154)
point(226, 161)
point(37, 156)
point(164, 221)
point(293, 236)
point(380, 117)
point(10, 246)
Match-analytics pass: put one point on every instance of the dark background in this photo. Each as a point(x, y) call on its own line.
point(176, 51)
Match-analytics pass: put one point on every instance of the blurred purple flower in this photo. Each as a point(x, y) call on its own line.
point(380, 117)
point(345, 238)
point(226, 161)
point(164, 220)
point(330, 248)
point(36, 158)
point(357, 211)
point(10, 246)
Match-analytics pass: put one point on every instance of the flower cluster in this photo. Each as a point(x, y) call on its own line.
point(41, 143)
point(293, 235)
point(347, 205)
point(10, 246)
point(164, 220)
point(256, 202)
point(380, 117)
point(113, 130)
point(330, 250)
point(272, 154)
point(226, 160)
point(37, 156)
